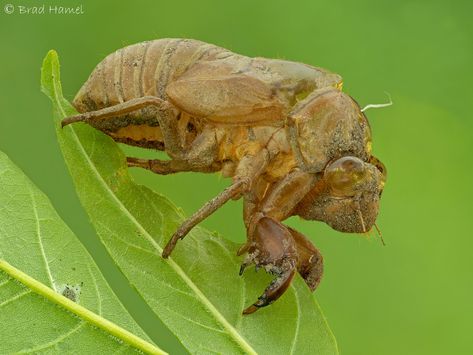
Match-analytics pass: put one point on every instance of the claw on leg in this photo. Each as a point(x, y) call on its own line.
point(275, 289)
point(272, 247)
point(242, 268)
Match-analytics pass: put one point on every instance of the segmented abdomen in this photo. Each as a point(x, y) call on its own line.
point(142, 69)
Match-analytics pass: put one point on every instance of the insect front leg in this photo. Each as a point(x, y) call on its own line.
point(280, 250)
point(274, 249)
point(278, 202)
point(310, 262)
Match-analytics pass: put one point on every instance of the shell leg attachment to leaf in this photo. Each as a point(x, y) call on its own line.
point(272, 247)
point(206, 210)
point(163, 114)
point(117, 110)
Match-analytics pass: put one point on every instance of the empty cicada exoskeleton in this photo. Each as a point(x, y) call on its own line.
point(292, 141)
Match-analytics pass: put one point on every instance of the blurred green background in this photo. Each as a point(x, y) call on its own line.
point(413, 296)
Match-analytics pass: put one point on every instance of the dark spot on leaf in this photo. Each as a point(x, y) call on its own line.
point(69, 293)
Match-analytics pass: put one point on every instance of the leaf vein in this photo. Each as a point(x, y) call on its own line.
point(3, 283)
point(40, 241)
point(168, 285)
point(194, 322)
point(14, 298)
point(54, 342)
point(296, 331)
point(243, 288)
point(99, 299)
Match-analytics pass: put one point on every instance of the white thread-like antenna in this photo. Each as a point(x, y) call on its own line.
point(367, 107)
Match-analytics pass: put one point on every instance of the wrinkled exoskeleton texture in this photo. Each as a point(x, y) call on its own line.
point(292, 141)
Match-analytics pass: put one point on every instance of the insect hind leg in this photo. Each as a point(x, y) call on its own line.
point(165, 114)
point(165, 167)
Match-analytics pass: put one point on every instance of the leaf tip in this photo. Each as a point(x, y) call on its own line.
point(50, 76)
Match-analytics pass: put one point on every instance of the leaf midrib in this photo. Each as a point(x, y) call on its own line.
point(213, 310)
point(33, 285)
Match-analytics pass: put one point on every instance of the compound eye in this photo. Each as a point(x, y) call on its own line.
point(343, 175)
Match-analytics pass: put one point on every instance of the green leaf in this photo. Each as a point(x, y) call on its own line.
point(56, 270)
point(197, 292)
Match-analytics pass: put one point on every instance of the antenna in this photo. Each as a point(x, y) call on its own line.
point(367, 107)
point(379, 233)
